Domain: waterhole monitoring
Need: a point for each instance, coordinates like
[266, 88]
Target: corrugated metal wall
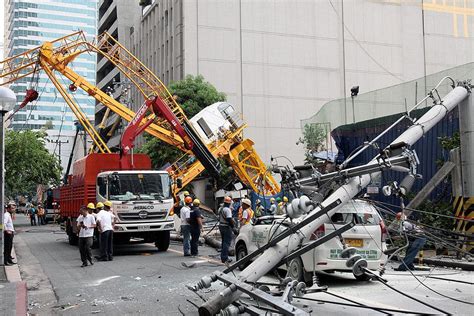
[428, 149]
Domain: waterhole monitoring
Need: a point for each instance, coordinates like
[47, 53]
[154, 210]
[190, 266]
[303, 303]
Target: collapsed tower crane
[55, 56]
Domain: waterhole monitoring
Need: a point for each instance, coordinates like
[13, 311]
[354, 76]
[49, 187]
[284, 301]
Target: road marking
[99, 282]
[204, 259]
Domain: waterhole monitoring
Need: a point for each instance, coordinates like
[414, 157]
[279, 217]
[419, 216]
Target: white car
[368, 235]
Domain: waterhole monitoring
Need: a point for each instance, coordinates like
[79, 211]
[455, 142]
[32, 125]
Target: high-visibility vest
[250, 214]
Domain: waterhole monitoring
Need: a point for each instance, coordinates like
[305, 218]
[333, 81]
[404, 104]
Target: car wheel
[241, 252]
[295, 269]
[363, 277]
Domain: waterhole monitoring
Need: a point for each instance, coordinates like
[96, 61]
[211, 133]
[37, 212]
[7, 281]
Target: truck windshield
[142, 186]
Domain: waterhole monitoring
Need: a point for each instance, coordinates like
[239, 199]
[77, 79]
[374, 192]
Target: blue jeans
[226, 235]
[186, 232]
[412, 251]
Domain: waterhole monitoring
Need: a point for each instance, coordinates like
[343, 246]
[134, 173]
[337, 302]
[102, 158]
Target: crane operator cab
[214, 121]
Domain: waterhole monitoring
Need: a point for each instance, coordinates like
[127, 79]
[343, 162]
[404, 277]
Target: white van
[368, 236]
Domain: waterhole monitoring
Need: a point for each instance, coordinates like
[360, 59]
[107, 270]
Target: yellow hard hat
[99, 205]
[108, 203]
[91, 206]
[285, 199]
[196, 202]
[185, 193]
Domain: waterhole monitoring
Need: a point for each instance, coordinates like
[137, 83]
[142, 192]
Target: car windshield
[141, 186]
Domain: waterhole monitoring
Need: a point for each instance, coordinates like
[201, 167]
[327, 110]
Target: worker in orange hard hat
[226, 224]
[185, 214]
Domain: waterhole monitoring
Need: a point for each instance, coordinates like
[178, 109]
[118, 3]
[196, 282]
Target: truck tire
[73, 239]
[163, 240]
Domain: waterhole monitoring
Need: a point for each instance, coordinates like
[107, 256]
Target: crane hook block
[30, 96]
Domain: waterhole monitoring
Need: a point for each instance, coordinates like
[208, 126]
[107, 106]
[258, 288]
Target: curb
[13, 276]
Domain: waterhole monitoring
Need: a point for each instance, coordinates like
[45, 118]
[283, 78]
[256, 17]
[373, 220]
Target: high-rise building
[30, 23]
[116, 17]
[280, 61]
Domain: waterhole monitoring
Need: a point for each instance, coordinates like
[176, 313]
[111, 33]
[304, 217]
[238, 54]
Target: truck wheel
[240, 252]
[295, 269]
[73, 239]
[163, 240]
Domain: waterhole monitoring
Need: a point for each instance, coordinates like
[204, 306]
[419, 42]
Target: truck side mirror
[179, 183]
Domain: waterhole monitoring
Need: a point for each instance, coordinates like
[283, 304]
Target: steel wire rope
[32, 106]
[62, 122]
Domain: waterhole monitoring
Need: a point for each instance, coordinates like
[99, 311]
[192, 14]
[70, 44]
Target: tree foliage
[193, 94]
[314, 139]
[28, 163]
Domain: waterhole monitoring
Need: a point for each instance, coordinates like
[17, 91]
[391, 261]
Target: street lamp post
[7, 102]
[354, 93]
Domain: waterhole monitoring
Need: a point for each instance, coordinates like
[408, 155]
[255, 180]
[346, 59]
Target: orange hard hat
[188, 199]
[227, 199]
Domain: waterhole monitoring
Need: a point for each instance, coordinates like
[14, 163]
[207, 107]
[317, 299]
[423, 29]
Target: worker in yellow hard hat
[99, 206]
[281, 210]
[86, 223]
[90, 208]
[108, 204]
[195, 222]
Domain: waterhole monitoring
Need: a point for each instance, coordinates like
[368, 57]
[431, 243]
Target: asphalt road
[142, 280]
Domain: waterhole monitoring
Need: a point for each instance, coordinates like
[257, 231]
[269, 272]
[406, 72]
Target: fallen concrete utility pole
[348, 188]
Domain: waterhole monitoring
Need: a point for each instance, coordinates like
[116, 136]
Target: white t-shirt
[88, 230]
[185, 215]
[8, 222]
[105, 218]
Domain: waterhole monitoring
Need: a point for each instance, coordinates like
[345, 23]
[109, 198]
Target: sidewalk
[13, 293]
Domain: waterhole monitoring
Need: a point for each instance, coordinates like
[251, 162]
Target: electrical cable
[360, 306]
[355, 302]
[421, 282]
[425, 212]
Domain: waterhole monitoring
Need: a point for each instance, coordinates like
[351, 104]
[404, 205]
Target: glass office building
[30, 23]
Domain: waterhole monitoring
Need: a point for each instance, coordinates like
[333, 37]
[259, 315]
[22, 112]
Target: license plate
[143, 227]
[354, 242]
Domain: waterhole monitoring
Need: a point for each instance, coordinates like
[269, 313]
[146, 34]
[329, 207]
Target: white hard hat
[247, 201]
